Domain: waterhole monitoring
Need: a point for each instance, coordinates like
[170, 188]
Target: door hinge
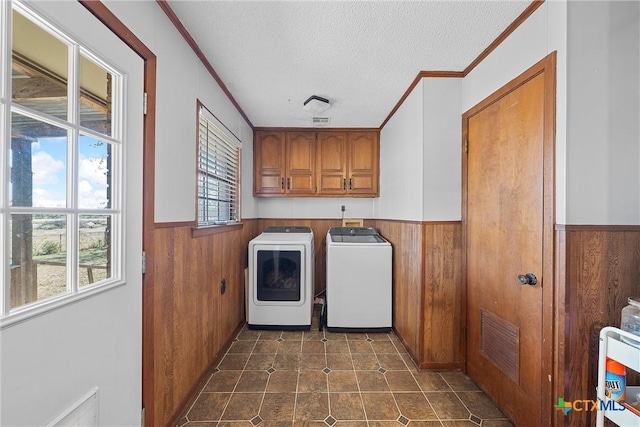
[466, 146]
[144, 103]
[144, 262]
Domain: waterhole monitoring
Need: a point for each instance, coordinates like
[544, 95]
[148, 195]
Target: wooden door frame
[547, 66]
[104, 15]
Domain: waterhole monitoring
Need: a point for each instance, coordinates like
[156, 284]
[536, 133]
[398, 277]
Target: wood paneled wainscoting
[598, 268]
[427, 289]
[192, 322]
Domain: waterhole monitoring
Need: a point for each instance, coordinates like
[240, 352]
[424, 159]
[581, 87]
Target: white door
[51, 361]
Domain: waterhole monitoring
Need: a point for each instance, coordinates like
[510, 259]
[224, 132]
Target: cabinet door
[269, 162]
[331, 164]
[363, 160]
[300, 177]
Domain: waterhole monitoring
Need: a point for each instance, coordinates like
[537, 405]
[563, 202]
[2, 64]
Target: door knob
[527, 279]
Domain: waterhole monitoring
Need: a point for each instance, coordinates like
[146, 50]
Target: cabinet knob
[282, 183]
[527, 279]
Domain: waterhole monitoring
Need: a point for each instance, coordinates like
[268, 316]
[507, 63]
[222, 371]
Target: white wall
[310, 207]
[523, 48]
[557, 39]
[420, 155]
[401, 158]
[442, 149]
[603, 150]
[181, 80]
[248, 203]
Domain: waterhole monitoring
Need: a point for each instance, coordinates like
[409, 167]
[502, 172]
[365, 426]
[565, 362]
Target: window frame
[76, 52]
[223, 133]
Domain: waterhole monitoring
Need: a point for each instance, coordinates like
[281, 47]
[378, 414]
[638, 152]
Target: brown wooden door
[269, 162]
[508, 219]
[331, 165]
[301, 154]
[362, 163]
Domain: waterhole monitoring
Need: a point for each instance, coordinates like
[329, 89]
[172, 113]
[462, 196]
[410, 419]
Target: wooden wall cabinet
[316, 163]
[347, 163]
[300, 159]
[331, 163]
[363, 159]
[269, 163]
[284, 163]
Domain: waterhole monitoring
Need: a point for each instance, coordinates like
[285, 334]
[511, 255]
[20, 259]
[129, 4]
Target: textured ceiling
[361, 55]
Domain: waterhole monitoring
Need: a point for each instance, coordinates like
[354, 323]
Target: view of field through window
[60, 195]
[49, 253]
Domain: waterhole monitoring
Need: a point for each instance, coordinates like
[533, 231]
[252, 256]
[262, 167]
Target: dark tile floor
[321, 378]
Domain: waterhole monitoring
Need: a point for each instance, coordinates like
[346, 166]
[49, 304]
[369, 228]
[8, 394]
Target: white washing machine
[280, 288]
[359, 294]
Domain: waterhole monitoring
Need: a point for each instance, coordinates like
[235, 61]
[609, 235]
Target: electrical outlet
[342, 208]
[223, 286]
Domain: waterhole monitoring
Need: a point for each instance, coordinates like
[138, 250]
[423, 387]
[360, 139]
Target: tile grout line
[455, 392]
[384, 375]
[425, 395]
[264, 392]
[241, 373]
[364, 408]
[324, 337]
[295, 399]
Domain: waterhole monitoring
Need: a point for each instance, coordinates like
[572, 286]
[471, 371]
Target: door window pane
[38, 163]
[95, 97]
[94, 249]
[38, 257]
[39, 68]
[94, 174]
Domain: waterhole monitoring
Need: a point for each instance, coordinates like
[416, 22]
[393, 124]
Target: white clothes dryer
[280, 289]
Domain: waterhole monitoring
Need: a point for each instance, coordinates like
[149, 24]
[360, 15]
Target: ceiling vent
[320, 121]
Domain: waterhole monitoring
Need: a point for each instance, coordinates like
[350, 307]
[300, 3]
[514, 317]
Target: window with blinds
[218, 173]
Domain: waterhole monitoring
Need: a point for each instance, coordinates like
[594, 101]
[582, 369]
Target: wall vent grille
[320, 121]
[83, 413]
[500, 342]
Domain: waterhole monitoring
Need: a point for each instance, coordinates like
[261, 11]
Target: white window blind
[218, 174]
